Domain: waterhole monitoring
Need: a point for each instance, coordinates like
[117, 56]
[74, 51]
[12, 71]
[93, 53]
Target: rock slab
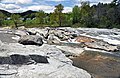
[58, 65]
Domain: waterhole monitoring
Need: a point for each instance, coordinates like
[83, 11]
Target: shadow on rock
[17, 59]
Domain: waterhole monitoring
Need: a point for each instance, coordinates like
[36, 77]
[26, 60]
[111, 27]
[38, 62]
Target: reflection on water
[100, 65]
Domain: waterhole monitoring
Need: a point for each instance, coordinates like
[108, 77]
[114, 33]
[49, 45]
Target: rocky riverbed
[59, 53]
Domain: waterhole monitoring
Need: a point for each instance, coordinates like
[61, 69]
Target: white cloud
[106, 1]
[18, 1]
[8, 1]
[9, 6]
[16, 9]
[96, 1]
[67, 9]
[55, 0]
[20, 5]
[24, 1]
[41, 7]
[93, 2]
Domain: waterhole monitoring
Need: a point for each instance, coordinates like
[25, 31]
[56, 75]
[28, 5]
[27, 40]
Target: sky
[17, 6]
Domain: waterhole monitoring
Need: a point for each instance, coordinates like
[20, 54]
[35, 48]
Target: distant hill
[22, 14]
[27, 12]
[5, 12]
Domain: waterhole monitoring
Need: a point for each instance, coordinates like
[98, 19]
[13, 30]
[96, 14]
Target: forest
[96, 16]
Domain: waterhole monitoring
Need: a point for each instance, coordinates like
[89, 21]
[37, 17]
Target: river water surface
[99, 65]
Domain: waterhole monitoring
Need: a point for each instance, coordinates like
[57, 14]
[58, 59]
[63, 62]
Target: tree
[58, 11]
[86, 14]
[53, 20]
[16, 19]
[76, 14]
[116, 2]
[2, 16]
[40, 16]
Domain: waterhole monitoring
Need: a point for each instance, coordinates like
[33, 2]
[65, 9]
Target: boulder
[21, 28]
[34, 31]
[59, 33]
[20, 32]
[62, 35]
[31, 40]
[52, 39]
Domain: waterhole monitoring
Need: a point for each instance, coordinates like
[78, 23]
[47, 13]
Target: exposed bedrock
[30, 61]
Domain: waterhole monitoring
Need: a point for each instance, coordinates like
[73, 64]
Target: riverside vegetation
[100, 15]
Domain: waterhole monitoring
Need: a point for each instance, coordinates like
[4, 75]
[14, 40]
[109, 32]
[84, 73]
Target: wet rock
[96, 44]
[99, 44]
[84, 39]
[31, 40]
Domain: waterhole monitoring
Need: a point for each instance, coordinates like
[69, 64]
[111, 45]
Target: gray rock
[34, 31]
[71, 51]
[58, 67]
[99, 44]
[1, 43]
[31, 40]
[21, 28]
[52, 39]
[96, 43]
[8, 72]
[59, 33]
[20, 32]
[5, 37]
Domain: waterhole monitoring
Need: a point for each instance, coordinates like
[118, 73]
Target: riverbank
[86, 51]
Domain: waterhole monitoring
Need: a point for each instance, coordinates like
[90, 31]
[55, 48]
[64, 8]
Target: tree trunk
[15, 24]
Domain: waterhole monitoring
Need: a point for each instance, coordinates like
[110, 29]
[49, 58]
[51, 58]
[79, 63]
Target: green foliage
[53, 19]
[2, 17]
[100, 15]
[40, 17]
[16, 20]
[8, 23]
[76, 14]
[58, 12]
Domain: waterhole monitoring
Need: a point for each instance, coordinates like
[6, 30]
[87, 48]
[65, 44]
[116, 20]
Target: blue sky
[46, 5]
